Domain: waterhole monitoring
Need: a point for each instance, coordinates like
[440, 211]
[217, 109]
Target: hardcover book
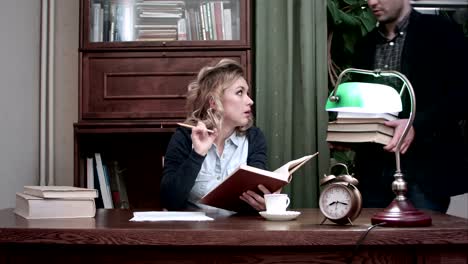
[33, 207]
[63, 192]
[360, 127]
[104, 185]
[226, 194]
[346, 117]
[359, 137]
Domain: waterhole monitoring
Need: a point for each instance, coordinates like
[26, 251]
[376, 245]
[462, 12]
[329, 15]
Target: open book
[226, 194]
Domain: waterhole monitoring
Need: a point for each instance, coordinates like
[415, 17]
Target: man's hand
[399, 126]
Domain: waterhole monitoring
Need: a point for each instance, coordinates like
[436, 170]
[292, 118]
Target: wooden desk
[111, 238]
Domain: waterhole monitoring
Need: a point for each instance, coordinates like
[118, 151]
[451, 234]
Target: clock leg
[323, 221]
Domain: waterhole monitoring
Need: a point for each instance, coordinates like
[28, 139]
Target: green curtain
[291, 89]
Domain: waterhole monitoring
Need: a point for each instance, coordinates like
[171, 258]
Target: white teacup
[276, 202]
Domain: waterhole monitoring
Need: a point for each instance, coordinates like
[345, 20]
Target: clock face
[336, 202]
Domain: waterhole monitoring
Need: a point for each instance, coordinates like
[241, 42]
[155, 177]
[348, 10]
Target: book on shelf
[99, 200]
[104, 185]
[90, 173]
[118, 187]
[181, 29]
[218, 19]
[359, 137]
[227, 26]
[96, 22]
[209, 21]
[63, 192]
[106, 27]
[360, 127]
[226, 194]
[33, 207]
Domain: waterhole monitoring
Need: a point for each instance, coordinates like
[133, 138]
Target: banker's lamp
[364, 97]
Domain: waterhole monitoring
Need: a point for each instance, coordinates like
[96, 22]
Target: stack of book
[37, 202]
[361, 127]
[160, 20]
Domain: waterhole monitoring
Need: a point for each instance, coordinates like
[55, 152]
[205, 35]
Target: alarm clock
[340, 200]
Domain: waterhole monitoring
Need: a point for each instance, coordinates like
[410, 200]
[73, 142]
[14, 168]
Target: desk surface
[112, 227]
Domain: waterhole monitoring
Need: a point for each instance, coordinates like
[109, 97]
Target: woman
[196, 160]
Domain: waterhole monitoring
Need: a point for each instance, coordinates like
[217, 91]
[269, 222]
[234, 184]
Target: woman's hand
[202, 139]
[399, 126]
[255, 200]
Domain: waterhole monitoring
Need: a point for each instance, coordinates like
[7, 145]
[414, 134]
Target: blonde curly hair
[209, 87]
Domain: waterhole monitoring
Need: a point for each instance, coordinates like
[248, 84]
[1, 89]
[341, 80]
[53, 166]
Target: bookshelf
[125, 21]
[136, 60]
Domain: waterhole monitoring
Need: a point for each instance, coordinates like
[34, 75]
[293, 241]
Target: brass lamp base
[401, 214]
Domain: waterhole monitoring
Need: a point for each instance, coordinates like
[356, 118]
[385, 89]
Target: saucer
[283, 216]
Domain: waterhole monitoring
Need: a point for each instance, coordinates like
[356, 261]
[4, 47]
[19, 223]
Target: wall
[66, 86]
[20, 22]
[19, 93]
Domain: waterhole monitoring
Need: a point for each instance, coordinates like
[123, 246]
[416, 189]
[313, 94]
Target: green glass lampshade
[360, 97]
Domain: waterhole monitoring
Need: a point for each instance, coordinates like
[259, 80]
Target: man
[431, 52]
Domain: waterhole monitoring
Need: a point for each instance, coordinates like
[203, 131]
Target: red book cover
[226, 194]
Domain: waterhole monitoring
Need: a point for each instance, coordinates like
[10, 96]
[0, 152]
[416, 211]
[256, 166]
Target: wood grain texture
[142, 85]
[111, 238]
[111, 227]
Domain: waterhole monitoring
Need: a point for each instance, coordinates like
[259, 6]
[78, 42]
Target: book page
[170, 216]
[289, 168]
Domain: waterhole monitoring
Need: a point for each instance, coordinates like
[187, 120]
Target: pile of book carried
[40, 202]
[360, 128]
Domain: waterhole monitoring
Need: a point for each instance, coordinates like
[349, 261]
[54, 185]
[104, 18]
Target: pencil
[190, 126]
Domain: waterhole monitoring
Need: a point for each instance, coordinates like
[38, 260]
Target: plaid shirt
[388, 51]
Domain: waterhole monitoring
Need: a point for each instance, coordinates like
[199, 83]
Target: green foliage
[348, 20]
[345, 157]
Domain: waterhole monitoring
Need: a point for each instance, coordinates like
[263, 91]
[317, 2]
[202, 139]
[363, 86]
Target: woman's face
[237, 104]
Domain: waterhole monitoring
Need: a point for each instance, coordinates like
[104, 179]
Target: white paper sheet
[170, 216]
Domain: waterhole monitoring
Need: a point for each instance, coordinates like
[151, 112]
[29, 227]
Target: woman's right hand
[255, 200]
[202, 139]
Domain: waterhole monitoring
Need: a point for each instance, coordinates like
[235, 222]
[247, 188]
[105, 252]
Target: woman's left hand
[254, 199]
